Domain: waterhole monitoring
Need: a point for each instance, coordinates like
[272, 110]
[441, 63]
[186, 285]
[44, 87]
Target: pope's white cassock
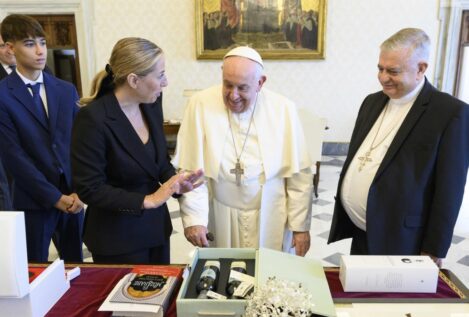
[275, 195]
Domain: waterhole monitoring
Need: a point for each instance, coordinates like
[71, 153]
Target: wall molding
[450, 16]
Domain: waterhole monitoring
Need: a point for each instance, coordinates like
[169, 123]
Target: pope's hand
[197, 235]
[301, 241]
[190, 180]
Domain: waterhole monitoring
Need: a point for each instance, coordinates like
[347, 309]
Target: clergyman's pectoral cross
[238, 171]
[364, 159]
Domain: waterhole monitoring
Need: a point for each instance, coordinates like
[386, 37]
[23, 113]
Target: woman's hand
[162, 194]
[191, 180]
[180, 183]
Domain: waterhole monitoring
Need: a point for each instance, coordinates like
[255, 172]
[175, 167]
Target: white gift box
[14, 280]
[268, 263]
[17, 296]
[390, 274]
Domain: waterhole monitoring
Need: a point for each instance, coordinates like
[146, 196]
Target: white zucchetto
[247, 52]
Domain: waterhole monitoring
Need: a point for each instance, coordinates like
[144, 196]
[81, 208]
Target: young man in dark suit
[403, 181]
[36, 116]
[8, 65]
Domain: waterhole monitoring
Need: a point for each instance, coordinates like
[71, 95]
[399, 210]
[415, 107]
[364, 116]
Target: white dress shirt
[7, 68]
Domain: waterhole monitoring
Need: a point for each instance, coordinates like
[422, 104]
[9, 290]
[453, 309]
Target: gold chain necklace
[238, 170]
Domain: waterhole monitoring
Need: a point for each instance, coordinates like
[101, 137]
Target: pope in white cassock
[250, 143]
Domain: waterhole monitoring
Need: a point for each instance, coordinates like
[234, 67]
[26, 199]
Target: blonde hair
[129, 55]
[415, 39]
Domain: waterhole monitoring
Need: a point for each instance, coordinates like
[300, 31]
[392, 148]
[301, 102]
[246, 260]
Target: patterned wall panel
[331, 88]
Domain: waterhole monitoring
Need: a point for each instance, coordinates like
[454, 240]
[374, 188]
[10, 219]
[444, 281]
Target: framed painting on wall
[278, 29]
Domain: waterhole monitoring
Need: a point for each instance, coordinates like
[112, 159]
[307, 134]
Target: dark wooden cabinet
[62, 47]
[171, 131]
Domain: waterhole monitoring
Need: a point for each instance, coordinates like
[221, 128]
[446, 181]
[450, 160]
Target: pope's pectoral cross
[364, 159]
[238, 171]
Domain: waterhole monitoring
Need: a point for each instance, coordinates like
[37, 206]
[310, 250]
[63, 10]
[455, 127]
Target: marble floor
[457, 259]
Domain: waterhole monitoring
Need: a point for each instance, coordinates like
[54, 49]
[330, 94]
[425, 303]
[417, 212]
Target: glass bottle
[208, 280]
[238, 266]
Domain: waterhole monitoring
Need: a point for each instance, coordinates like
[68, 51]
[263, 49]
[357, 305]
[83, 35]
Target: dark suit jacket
[112, 173]
[415, 197]
[36, 154]
[5, 178]
[5, 200]
[3, 72]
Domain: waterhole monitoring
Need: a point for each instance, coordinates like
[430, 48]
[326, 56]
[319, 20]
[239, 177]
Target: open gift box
[262, 264]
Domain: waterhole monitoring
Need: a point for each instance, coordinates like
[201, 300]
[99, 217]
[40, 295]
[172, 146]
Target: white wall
[332, 88]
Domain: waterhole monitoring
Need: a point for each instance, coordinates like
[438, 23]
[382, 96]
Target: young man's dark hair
[17, 27]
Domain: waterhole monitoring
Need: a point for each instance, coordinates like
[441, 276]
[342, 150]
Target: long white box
[268, 263]
[390, 274]
[14, 281]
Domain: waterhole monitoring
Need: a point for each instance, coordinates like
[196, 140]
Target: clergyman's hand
[301, 241]
[197, 235]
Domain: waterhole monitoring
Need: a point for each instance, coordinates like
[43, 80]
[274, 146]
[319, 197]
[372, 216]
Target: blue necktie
[38, 102]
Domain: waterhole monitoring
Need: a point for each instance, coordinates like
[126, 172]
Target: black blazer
[112, 173]
[5, 200]
[3, 72]
[415, 197]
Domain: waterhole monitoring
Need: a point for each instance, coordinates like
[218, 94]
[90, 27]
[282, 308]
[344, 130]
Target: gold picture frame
[277, 29]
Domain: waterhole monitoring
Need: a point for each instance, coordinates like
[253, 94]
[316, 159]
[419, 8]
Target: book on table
[145, 291]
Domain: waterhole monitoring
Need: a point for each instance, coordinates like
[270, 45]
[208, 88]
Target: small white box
[44, 292]
[390, 274]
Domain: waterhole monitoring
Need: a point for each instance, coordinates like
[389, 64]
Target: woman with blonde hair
[120, 165]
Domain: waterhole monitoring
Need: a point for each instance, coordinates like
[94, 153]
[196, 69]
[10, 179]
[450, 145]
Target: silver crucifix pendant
[238, 171]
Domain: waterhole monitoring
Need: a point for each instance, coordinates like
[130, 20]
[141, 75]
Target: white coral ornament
[280, 298]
